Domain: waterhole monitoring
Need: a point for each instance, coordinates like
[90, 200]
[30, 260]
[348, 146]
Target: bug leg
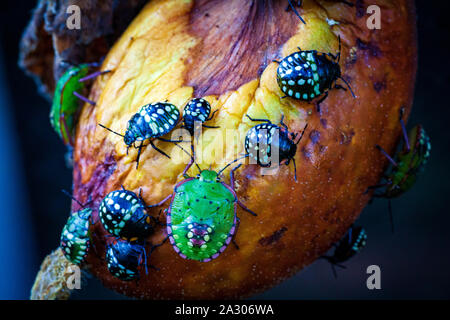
[139, 154]
[386, 155]
[188, 166]
[377, 186]
[93, 75]
[263, 120]
[338, 55]
[158, 245]
[145, 260]
[405, 134]
[347, 3]
[283, 124]
[339, 87]
[232, 176]
[159, 150]
[212, 115]
[295, 169]
[321, 100]
[79, 96]
[168, 140]
[211, 127]
[237, 200]
[238, 222]
[160, 203]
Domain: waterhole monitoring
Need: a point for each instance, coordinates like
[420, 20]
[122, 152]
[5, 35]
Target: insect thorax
[304, 75]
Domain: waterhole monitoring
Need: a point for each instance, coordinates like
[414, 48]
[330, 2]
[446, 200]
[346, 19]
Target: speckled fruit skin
[222, 51]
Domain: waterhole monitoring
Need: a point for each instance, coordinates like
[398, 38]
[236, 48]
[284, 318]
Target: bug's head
[129, 138]
[208, 176]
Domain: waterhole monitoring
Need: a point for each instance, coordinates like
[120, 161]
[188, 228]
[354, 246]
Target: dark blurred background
[414, 261]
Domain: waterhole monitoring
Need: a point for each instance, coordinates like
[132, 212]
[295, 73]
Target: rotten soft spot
[379, 85]
[265, 241]
[314, 136]
[371, 47]
[306, 153]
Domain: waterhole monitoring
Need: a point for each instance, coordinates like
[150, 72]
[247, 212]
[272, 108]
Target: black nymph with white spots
[353, 242]
[259, 143]
[123, 259]
[306, 75]
[197, 110]
[151, 121]
[123, 214]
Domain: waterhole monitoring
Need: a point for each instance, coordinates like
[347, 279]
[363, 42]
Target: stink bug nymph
[123, 214]
[65, 105]
[197, 110]
[75, 236]
[151, 121]
[201, 218]
[259, 144]
[352, 243]
[123, 259]
[404, 167]
[306, 75]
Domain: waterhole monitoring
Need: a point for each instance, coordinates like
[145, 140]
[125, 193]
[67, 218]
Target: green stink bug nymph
[65, 105]
[75, 236]
[407, 163]
[201, 218]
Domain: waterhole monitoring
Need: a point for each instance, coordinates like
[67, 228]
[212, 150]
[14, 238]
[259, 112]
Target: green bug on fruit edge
[75, 236]
[65, 105]
[404, 167]
[202, 218]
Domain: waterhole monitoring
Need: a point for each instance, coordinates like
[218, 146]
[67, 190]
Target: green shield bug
[405, 166]
[65, 105]
[201, 218]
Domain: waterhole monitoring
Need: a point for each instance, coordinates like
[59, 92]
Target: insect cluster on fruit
[201, 219]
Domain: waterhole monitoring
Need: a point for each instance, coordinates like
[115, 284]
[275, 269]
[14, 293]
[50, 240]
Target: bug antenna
[348, 85]
[234, 161]
[73, 198]
[190, 155]
[295, 11]
[111, 130]
[402, 124]
[303, 132]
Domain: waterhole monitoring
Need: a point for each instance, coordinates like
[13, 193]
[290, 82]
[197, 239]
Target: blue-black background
[414, 261]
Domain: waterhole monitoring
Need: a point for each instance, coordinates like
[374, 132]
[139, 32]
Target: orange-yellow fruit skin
[169, 52]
